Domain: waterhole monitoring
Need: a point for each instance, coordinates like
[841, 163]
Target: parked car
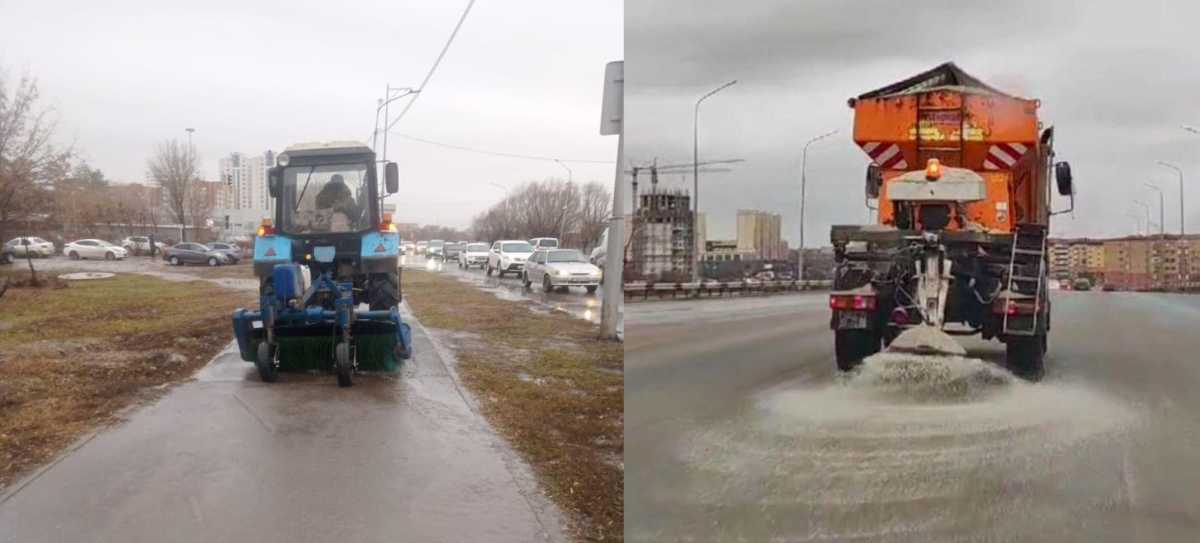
[561, 268]
[194, 253]
[6, 255]
[139, 245]
[436, 246]
[473, 254]
[452, 250]
[508, 256]
[229, 249]
[422, 246]
[544, 243]
[37, 247]
[94, 248]
[409, 247]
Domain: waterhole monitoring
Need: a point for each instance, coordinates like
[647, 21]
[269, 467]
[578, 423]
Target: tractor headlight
[282, 159]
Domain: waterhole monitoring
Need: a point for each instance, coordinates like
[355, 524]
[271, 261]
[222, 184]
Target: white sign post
[611, 116]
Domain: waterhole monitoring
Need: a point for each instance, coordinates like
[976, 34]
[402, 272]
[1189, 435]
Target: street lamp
[189, 132]
[1137, 221]
[1162, 223]
[570, 175]
[803, 182]
[1146, 208]
[696, 173]
[1179, 171]
[382, 104]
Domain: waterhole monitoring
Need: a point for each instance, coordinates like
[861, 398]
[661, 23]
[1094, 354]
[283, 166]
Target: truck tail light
[266, 229]
[1014, 307]
[856, 302]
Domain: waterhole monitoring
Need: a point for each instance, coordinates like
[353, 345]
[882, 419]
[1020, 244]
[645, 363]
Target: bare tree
[547, 208]
[595, 206]
[173, 167]
[29, 161]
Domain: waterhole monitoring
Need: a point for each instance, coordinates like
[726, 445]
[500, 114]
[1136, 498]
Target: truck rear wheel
[383, 291]
[852, 346]
[1026, 356]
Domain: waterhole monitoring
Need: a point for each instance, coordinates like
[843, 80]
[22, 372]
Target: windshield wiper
[305, 187]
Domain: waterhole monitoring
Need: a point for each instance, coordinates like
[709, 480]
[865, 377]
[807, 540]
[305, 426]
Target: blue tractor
[328, 268]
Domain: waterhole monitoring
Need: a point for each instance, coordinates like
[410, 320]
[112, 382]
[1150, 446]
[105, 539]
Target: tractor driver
[337, 202]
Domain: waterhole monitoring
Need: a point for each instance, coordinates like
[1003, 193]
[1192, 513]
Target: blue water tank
[288, 281]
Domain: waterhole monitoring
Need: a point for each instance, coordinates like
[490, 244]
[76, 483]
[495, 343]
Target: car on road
[94, 248]
[474, 254]
[544, 243]
[508, 256]
[436, 248]
[408, 248]
[422, 247]
[37, 247]
[194, 253]
[232, 250]
[138, 245]
[561, 268]
[452, 250]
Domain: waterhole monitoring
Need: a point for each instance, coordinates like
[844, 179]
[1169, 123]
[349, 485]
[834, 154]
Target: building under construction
[663, 235]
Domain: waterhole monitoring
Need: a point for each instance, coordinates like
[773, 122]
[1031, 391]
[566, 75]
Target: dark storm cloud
[1116, 79]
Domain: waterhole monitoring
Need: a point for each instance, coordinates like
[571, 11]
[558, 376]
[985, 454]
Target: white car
[94, 248]
[508, 256]
[139, 244]
[37, 247]
[435, 248]
[474, 254]
[555, 268]
[544, 243]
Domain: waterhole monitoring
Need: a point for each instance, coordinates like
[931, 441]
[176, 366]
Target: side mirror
[274, 181]
[1062, 175]
[391, 178]
[874, 181]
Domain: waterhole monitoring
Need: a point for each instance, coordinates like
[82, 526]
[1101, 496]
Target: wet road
[738, 429]
[576, 301]
[228, 458]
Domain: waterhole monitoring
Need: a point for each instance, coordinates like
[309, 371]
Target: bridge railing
[714, 289]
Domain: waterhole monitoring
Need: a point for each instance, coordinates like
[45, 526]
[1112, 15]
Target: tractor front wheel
[265, 362]
[342, 365]
[383, 291]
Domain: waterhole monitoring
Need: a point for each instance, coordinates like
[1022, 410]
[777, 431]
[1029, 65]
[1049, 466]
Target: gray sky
[1117, 79]
[522, 77]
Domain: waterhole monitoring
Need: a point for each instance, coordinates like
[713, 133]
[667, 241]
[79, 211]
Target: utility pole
[803, 182]
[696, 175]
[191, 155]
[1179, 171]
[612, 114]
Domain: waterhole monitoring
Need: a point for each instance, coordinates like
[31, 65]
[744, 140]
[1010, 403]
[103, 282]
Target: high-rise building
[663, 241]
[758, 235]
[245, 179]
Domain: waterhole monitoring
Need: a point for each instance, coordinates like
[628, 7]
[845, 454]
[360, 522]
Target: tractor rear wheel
[852, 346]
[265, 362]
[342, 365]
[1026, 356]
[383, 291]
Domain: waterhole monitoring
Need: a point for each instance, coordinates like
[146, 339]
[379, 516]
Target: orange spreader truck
[961, 173]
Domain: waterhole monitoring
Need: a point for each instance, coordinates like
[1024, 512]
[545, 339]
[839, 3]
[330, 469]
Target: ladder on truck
[1029, 243]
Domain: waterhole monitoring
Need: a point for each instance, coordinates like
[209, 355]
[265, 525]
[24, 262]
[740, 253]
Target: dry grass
[548, 384]
[71, 358]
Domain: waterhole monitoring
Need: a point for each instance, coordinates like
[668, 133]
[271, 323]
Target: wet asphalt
[225, 457]
[738, 428]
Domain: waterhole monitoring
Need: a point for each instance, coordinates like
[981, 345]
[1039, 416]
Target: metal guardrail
[713, 289]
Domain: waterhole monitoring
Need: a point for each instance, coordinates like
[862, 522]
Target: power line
[498, 153]
[433, 68]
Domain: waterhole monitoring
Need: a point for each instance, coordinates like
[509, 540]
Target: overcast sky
[1117, 79]
[522, 77]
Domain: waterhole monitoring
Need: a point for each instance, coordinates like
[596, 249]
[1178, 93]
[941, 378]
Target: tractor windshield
[325, 198]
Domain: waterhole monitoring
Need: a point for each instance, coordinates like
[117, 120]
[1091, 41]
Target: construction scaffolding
[663, 236]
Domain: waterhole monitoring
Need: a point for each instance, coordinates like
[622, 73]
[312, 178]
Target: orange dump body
[963, 124]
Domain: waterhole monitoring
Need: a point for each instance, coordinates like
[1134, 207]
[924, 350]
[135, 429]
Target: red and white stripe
[886, 156]
[1003, 155]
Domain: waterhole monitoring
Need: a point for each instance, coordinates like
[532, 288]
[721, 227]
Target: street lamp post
[1145, 207]
[1179, 171]
[803, 183]
[570, 174]
[1137, 221]
[191, 156]
[1162, 223]
[696, 174]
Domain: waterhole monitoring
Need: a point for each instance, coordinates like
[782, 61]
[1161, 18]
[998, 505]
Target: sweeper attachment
[329, 251]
